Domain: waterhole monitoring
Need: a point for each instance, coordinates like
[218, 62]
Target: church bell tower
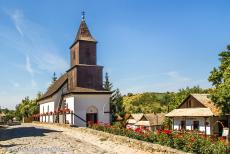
[84, 71]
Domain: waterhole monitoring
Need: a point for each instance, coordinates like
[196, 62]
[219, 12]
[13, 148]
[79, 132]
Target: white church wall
[83, 102]
[44, 108]
[70, 104]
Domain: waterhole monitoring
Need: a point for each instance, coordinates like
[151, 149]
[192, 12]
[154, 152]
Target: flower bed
[189, 142]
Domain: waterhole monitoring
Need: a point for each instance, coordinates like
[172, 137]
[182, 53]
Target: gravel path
[28, 138]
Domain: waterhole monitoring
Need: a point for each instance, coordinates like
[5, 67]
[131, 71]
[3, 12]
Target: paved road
[37, 140]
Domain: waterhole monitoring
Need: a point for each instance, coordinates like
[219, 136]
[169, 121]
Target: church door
[91, 118]
[91, 115]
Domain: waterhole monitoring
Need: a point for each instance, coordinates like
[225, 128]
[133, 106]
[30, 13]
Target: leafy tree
[220, 78]
[27, 107]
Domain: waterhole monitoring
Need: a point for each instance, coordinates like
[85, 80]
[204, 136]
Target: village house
[198, 112]
[78, 97]
[147, 121]
[2, 115]
[133, 118]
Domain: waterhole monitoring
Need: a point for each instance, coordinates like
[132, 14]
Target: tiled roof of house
[152, 119]
[210, 110]
[190, 112]
[2, 114]
[207, 102]
[135, 117]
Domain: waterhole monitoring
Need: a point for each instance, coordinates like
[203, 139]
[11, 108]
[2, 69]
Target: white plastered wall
[83, 101]
[44, 108]
[189, 123]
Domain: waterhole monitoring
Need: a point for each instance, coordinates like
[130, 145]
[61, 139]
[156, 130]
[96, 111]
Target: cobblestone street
[33, 139]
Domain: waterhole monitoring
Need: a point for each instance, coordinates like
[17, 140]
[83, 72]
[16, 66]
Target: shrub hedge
[191, 141]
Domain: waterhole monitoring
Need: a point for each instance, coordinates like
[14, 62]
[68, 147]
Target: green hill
[148, 102]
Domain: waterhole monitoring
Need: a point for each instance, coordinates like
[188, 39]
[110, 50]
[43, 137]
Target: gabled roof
[205, 101]
[190, 112]
[135, 117]
[152, 119]
[2, 114]
[55, 86]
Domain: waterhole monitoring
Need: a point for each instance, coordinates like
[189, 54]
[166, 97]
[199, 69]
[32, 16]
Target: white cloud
[28, 66]
[39, 55]
[36, 45]
[17, 17]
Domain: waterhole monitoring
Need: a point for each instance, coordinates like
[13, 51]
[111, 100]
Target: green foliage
[116, 105]
[220, 78]
[191, 142]
[27, 107]
[146, 103]
[107, 84]
[54, 78]
[158, 102]
[9, 114]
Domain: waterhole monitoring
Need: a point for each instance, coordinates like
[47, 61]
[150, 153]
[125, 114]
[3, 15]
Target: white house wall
[189, 123]
[83, 102]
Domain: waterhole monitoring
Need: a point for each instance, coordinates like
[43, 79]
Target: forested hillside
[150, 102]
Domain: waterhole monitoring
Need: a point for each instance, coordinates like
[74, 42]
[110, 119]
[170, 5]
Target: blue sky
[143, 45]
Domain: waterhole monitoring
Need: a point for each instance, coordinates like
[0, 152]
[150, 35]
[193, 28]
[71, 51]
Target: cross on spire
[83, 15]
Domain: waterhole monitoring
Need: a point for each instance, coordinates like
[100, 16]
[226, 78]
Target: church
[78, 97]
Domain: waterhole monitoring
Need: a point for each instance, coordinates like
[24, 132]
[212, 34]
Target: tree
[220, 78]
[117, 104]
[107, 84]
[27, 107]
[54, 78]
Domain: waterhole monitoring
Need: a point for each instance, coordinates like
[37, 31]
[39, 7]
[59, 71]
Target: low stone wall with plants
[131, 142]
[192, 142]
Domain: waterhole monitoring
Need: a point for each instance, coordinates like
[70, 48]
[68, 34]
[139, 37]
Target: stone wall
[145, 146]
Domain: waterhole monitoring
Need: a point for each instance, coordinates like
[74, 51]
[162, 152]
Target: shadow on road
[8, 146]
[19, 132]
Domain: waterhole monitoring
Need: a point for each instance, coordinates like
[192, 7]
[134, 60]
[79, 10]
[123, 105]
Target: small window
[48, 108]
[196, 125]
[183, 125]
[43, 109]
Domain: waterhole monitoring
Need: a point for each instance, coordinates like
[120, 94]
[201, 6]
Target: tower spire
[83, 15]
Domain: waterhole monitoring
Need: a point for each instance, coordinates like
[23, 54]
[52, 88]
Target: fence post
[71, 117]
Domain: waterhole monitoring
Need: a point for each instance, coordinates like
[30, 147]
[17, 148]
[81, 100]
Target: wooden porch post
[205, 129]
[173, 123]
[185, 123]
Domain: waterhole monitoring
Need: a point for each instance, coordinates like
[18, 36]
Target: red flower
[167, 131]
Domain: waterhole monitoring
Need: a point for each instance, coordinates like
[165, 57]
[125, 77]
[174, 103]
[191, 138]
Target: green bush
[190, 141]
